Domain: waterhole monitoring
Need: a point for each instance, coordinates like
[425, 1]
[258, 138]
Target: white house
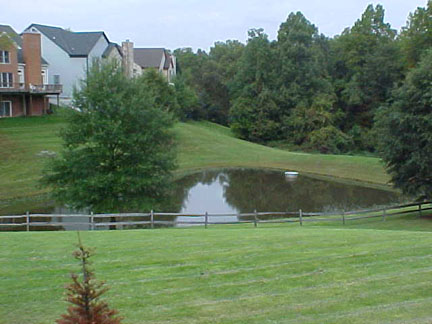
[70, 53]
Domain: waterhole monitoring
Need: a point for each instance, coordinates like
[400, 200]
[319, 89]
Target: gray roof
[21, 58]
[148, 57]
[110, 47]
[11, 33]
[73, 43]
[18, 40]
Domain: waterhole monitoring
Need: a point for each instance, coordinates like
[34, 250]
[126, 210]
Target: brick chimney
[128, 58]
[31, 48]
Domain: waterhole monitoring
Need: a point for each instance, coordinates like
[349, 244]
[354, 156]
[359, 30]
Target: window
[21, 75]
[44, 77]
[4, 57]
[5, 109]
[56, 79]
[6, 80]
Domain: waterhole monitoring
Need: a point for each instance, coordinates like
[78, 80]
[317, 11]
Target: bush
[328, 140]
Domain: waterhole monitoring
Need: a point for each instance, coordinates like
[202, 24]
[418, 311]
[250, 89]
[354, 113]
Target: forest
[304, 90]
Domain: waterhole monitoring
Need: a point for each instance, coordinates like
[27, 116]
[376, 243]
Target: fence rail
[98, 220]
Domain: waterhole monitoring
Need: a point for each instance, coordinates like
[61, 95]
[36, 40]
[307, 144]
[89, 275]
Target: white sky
[192, 23]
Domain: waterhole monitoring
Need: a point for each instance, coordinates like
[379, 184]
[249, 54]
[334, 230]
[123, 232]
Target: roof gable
[18, 41]
[111, 47]
[168, 61]
[73, 43]
[148, 57]
[11, 33]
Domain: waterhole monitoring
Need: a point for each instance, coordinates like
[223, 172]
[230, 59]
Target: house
[156, 58]
[70, 54]
[140, 59]
[24, 85]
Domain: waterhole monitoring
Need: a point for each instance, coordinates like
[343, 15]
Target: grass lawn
[201, 145]
[363, 273]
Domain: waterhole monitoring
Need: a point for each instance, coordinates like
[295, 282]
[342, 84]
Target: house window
[56, 79]
[5, 109]
[6, 80]
[4, 57]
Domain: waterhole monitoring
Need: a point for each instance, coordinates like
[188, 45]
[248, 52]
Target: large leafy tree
[302, 73]
[365, 65]
[118, 147]
[209, 75]
[254, 114]
[406, 132]
[416, 36]
[305, 93]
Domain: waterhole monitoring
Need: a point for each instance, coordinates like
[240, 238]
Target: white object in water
[291, 174]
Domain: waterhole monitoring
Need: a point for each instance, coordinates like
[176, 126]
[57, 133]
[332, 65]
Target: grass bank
[201, 145]
[229, 274]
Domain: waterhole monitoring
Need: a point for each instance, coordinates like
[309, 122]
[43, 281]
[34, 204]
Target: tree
[210, 76]
[5, 42]
[365, 66]
[405, 130]
[254, 114]
[118, 149]
[163, 94]
[187, 100]
[305, 93]
[303, 75]
[416, 36]
[84, 294]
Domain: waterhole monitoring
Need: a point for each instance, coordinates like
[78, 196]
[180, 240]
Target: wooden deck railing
[30, 88]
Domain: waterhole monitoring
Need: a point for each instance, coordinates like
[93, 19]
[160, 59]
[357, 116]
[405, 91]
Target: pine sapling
[84, 295]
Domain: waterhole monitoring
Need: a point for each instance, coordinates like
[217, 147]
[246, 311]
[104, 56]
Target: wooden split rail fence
[94, 221]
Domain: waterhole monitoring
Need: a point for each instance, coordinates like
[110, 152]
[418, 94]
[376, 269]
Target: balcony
[17, 88]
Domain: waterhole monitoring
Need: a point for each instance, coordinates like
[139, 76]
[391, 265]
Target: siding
[71, 70]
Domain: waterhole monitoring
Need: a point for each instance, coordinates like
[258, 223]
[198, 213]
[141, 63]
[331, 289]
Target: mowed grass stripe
[222, 275]
[230, 259]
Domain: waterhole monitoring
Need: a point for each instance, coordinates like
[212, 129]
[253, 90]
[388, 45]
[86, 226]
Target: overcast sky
[192, 23]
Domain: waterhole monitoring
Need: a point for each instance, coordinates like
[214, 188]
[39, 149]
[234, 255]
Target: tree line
[366, 90]
[306, 90]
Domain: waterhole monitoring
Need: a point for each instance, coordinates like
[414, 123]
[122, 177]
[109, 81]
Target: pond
[245, 190]
[233, 191]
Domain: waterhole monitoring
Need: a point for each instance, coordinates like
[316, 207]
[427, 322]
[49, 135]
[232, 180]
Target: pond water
[244, 190]
[234, 191]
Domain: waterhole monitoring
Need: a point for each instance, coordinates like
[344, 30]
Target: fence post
[343, 217]
[92, 227]
[206, 220]
[384, 215]
[255, 218]
[27, 221]
[152, 219]
[301, 217]
[420, 210]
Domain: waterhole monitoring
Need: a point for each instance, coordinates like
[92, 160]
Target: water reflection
[244, 190]
[234, 191]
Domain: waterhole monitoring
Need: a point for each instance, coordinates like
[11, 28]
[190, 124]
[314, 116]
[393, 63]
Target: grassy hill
[368, 271]
[201, 145]
[229, 274]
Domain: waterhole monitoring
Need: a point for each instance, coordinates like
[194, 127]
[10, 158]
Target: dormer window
[4, 57]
